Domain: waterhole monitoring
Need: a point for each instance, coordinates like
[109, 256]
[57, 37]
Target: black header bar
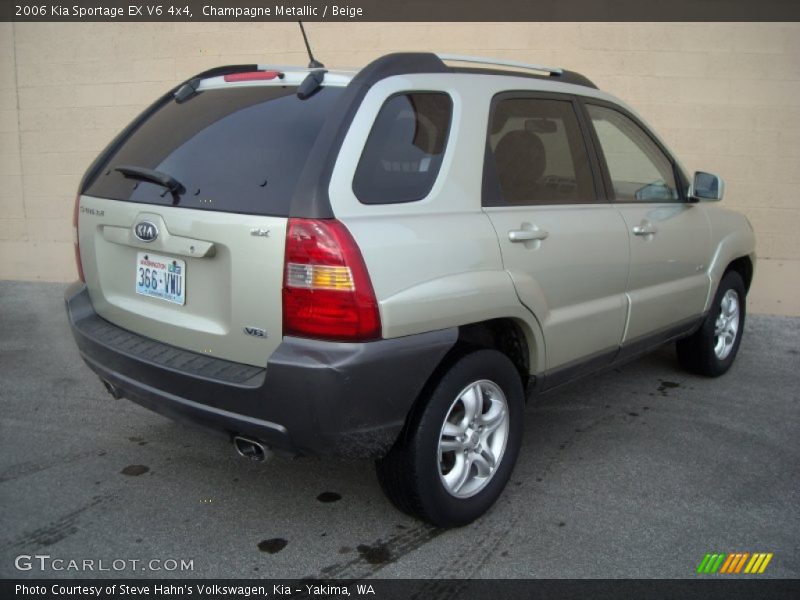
[402, 589]
[399, 10]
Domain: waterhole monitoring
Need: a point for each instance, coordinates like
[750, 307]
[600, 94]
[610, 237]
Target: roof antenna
[313, 63]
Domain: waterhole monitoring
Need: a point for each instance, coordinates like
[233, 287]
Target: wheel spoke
[453, 429]
[459, 474]
[451, 445]
[472, 400]
[733, 307]
[464, 476]
[492, 419]
[484, 462]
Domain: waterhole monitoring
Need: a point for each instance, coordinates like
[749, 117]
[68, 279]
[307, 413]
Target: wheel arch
[744, 266]
[734, 251]
[510, 336]
[507, 336]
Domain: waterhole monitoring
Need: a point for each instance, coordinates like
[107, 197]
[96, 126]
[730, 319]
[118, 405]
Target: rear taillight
[76, 239]
[327, 293]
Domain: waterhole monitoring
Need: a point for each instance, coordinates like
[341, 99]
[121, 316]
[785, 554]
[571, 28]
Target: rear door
[201, 268]
[564, 247]
[670, 238]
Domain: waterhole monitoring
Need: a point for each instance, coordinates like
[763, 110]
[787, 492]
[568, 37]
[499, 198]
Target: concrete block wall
[725, 96]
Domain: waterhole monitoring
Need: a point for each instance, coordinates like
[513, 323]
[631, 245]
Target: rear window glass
[238, 150]
[404, 151]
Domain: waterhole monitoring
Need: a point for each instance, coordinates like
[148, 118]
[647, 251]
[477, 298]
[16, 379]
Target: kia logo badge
[145, 231]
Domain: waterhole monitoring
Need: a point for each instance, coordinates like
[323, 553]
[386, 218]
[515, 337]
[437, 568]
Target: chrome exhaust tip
[250, 448]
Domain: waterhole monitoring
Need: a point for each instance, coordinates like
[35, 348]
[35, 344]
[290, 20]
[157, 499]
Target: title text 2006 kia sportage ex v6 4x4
[379, 264]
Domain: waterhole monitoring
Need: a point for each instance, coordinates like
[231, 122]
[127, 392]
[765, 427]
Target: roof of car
[405, 63]
[311, 196]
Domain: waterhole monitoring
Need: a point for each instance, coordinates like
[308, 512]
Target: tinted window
[538, 153]
[404, 151]
[235, 150]
[639, 171]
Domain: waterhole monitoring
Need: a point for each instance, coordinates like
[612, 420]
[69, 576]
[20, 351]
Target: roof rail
[500, 63]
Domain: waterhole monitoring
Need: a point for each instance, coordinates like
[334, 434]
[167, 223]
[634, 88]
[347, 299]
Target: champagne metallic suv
[383, 263]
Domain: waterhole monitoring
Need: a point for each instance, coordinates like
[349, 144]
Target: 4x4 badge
[145, 231]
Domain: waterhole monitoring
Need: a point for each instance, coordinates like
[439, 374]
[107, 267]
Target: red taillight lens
[75, 238]
[327, 293]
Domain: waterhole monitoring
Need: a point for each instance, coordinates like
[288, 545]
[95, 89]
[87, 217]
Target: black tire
[410, 473]
[696, 353]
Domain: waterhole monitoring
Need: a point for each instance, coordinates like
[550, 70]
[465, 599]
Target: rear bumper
[327, 398]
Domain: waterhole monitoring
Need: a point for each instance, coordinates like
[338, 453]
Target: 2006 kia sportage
[380, 264]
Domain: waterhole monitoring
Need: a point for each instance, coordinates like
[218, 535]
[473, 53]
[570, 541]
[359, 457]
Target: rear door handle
[527, 235]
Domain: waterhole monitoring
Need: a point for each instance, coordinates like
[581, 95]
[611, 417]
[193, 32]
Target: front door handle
[646, 228]
[527, 235]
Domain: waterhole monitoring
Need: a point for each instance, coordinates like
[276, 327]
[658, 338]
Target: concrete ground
[638, 472]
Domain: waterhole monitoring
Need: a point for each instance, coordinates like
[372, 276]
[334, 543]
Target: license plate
[161, 277]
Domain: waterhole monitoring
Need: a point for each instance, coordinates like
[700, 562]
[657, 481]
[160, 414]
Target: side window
[404, 151]
[639, 170]
[538, 153]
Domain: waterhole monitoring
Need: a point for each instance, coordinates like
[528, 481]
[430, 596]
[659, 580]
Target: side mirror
[707, 186]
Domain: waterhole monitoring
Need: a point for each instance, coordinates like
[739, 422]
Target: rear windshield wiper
[152, 176]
